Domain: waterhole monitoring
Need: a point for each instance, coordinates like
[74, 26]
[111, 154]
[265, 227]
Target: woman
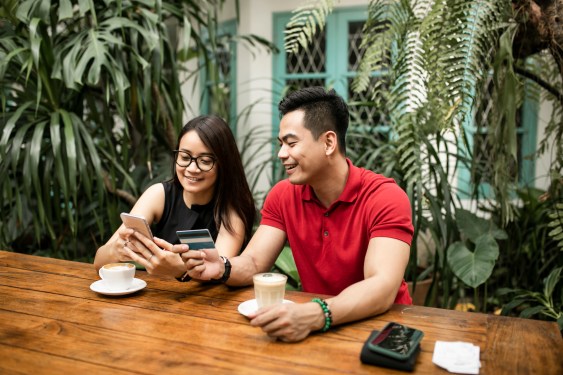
[209, 190]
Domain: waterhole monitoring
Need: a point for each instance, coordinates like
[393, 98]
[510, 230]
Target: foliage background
[91, 105]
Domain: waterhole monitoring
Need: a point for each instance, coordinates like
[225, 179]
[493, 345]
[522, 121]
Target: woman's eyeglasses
[204, 163]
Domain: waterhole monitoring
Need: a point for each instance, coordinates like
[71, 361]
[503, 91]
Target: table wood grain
[52, 323]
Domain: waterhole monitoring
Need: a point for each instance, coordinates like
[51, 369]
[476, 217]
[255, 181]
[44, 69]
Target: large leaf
[474, 267]
[473, 226]
[286, 264]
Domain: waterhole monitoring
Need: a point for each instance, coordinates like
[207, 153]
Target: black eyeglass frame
[192, 159]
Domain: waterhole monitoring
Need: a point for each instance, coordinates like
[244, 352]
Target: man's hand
[204, 264]
[288, 321]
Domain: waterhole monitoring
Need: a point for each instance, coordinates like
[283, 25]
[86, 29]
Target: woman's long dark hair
[231, 190]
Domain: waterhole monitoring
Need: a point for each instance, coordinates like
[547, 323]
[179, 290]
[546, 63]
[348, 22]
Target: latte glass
[269, 288]
[118, 276]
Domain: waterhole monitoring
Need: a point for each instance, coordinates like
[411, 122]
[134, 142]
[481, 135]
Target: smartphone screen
[196, 238]
[138, 223]
[396, 340]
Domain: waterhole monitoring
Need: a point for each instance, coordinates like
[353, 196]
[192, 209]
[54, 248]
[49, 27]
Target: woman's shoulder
[151, 202]
[158, 189]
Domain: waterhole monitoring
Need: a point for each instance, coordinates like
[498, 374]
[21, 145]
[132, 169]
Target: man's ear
[331, 143]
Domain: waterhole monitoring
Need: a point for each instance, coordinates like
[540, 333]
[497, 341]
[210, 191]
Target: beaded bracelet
[326, 311]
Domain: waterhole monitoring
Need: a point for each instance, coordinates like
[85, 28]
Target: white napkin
[457, 357]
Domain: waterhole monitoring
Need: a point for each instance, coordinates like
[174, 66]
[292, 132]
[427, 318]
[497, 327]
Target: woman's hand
[159, 257]
[204, 264]
[120, 252]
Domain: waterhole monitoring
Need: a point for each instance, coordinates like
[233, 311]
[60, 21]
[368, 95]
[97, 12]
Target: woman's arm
[150, 205]
[230, 244]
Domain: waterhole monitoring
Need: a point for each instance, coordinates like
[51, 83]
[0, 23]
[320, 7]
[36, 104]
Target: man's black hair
[324, 111]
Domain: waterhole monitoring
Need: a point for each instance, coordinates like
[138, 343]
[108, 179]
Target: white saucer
[99, 287]
[248, 307]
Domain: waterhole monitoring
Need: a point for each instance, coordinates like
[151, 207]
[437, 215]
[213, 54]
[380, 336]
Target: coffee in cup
[117, 276]
[269, 288]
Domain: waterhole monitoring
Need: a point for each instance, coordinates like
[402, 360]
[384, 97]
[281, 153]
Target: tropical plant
[546, 304]
[438, 55]
[91, 104]
[473, 259]
[285, 264]
[529, 254]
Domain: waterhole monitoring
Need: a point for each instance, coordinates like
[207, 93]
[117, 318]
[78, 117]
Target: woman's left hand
[159, 257]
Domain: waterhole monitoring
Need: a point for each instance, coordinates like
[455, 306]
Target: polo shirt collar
[351, 188]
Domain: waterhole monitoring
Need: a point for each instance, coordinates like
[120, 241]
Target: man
[349, 229]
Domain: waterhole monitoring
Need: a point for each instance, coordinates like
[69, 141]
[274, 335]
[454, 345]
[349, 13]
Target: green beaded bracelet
[326, 311]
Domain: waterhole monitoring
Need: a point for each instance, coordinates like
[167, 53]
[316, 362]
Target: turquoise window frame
[528, 130]
[336, 72]
[226, 27]
[336, 66]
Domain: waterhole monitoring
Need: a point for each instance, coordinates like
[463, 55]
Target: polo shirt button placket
[326, 233]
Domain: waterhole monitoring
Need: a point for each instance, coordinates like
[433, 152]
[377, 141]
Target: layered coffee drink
[119, 266]
[269, 288]
[117, 276]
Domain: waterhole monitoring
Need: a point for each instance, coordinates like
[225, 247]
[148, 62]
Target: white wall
[544, 162]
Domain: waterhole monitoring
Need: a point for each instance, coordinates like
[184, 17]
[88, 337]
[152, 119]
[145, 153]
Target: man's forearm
[363, 299]
[242, 270]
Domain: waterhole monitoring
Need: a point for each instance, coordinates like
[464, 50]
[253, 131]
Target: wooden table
[51, 322]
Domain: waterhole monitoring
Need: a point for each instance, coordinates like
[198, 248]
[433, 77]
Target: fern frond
[409, 149]
[409, 92]
[304, 22]
[556, 224]
[470, 36]
[431, 34]
[378, 35]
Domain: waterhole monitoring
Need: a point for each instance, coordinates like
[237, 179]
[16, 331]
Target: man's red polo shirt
[329, 245]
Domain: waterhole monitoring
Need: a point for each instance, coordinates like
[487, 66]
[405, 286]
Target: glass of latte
[269, 288]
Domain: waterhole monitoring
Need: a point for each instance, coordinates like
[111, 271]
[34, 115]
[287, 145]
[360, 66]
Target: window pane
[362, 108]
[310, 60]
[223, 57]
[354, 42]
[219, 75]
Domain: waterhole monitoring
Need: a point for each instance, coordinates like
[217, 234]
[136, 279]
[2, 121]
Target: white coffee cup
[117, 276]
[269, 288]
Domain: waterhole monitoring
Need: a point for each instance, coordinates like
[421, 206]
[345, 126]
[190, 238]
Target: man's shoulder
[370, 178]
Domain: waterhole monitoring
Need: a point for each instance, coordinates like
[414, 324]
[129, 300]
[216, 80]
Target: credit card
[196, 239]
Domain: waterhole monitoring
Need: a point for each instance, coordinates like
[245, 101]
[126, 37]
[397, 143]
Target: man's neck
[329, 187]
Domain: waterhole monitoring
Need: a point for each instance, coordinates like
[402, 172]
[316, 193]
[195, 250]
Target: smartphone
[136, 222]
[196, 239]
[396, 340]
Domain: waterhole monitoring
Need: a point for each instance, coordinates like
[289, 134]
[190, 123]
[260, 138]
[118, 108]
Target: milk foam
[118, 268]
[269, 278]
